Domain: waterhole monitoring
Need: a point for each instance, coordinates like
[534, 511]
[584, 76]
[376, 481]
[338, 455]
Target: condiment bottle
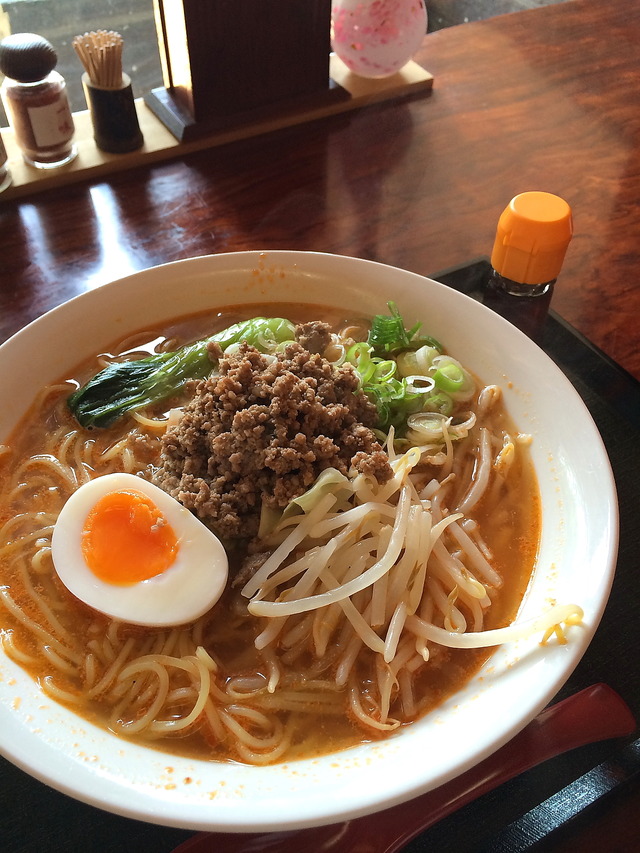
[5, 175]
[532, 237]
[35, 99]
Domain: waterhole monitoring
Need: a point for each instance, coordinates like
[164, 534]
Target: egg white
[182, 593]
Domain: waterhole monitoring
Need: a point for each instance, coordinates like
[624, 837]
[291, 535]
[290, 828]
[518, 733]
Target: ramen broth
[77, 654]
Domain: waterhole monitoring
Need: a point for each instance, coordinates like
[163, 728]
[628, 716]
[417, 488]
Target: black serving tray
[528, 813]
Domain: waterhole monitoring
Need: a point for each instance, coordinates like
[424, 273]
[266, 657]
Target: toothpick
[101, 55]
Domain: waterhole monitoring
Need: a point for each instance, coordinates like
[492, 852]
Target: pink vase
[375, 38]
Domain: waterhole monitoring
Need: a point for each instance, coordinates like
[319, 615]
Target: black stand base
[186, 129]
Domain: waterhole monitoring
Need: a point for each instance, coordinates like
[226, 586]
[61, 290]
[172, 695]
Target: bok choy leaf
[130, 385]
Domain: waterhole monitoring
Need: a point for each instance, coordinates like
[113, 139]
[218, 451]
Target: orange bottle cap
[533, 234]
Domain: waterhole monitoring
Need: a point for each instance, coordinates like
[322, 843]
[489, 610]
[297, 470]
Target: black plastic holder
[113, 114]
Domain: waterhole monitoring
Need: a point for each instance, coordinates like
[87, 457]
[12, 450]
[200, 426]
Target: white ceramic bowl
[576, 562]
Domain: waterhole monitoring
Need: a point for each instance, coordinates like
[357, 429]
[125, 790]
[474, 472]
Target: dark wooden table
[543, 99]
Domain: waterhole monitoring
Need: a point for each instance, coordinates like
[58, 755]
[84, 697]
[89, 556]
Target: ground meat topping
[314, 336]
[262, 430]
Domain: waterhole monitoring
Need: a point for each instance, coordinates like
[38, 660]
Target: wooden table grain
[543, 99]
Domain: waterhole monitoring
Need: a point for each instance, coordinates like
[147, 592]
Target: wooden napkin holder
[230, 62]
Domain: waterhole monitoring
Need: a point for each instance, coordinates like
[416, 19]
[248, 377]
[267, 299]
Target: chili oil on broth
[76, 654]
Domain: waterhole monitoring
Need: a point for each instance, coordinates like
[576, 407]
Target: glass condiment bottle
[5, 175]
[532, 237]
[35, 99]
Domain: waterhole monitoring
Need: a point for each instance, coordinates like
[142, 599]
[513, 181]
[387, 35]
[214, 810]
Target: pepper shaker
[35, 99]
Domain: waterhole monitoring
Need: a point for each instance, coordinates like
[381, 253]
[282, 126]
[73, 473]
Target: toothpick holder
[113, 113]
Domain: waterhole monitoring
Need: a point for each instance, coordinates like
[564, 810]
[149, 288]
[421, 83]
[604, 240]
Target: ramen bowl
[575, 563]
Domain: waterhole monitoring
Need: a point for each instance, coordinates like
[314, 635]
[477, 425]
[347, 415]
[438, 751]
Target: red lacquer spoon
[593, 714]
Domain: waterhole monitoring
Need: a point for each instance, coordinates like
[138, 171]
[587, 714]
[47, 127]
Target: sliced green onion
[359, 355]
[428, 341]
[388, 333]
[417, 361]
[429, 426]
[408, 363]
[282, 345]
[425, 356]
[403, 372]
[451, 377]
[419, 384]
[438, 401]
[384, 370]
[389, 336]
[395, 401]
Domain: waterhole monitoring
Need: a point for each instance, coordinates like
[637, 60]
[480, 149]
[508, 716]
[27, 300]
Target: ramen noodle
[347, 616]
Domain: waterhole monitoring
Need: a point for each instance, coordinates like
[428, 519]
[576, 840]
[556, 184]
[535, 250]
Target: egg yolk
[126, 539]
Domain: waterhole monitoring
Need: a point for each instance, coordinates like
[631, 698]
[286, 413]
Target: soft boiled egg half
[129, 550]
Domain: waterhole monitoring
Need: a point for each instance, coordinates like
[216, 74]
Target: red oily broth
[510, 520]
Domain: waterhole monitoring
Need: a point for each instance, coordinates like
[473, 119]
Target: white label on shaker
[53, 124]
